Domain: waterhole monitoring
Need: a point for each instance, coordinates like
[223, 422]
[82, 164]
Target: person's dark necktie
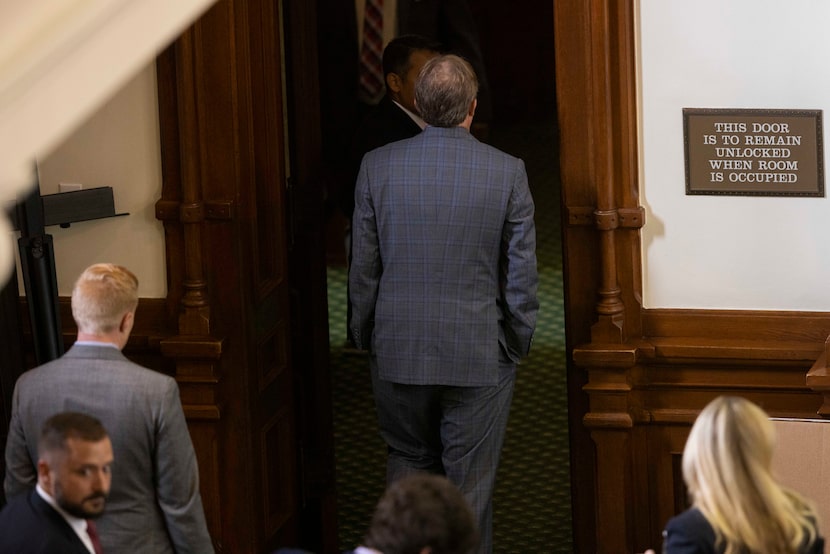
[92, 531]
[371, 53]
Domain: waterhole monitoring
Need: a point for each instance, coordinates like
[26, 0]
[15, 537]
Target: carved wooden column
[246, 363]
[194, 351]
[610, 309]
[596, 91]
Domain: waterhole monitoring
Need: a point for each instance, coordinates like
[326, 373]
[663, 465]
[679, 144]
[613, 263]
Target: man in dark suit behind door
[452, 25]
[395, 117]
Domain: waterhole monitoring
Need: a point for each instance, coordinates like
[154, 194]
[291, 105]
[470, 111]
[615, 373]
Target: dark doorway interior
[532, 499]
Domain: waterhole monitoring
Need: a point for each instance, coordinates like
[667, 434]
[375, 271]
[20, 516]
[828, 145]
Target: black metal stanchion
[37, 260]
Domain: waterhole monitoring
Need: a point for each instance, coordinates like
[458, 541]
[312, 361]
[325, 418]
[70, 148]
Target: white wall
[118, 147]
[734, 252]
[60, 60]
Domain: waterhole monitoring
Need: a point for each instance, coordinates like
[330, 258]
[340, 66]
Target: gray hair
[445, 89]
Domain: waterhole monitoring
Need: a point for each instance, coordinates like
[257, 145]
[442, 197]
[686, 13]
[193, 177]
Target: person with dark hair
[443, 287]
[395, 117]
[451, 23]
[155, 506]
[421, 514]
[74, 472]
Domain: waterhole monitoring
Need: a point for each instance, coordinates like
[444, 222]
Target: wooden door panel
[224, 206]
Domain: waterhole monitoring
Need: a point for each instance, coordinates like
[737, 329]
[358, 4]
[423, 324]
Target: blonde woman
[737, 505]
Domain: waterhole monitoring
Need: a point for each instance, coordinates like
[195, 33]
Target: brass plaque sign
[753, 152]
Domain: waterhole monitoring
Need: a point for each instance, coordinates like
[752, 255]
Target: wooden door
[256, 402]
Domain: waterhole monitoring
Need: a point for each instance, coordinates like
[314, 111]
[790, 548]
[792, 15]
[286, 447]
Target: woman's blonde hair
[726, 467]
[102, 295]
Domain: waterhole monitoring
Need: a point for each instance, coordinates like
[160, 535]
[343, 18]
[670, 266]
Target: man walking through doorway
[443, 287]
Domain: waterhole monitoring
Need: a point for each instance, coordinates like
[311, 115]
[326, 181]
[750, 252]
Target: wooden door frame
[307, 266]
[638, 377]
[595, 90]
[210, 82]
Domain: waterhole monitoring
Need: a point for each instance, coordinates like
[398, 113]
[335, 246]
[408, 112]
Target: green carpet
[532, 498]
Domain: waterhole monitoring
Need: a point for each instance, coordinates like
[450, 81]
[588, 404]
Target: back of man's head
[445, 90]
[422, 513]
[102, 295]
[74, 464]
[68, 425]
[397, 54]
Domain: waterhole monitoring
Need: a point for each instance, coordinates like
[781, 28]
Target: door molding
[636, 377]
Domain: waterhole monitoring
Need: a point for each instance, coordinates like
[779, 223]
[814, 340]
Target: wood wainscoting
[644, 396]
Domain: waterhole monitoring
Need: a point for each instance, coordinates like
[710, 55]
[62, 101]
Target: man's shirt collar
[412, 115]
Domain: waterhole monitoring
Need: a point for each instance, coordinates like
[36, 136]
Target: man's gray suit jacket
[154, 505]
[443, 278]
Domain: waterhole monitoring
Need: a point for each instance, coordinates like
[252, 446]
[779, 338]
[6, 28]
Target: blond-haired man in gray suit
[154, 504]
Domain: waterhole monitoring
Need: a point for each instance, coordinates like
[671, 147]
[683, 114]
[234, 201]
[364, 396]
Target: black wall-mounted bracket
[65, 208]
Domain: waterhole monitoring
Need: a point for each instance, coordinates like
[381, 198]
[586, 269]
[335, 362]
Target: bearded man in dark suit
[74, 471]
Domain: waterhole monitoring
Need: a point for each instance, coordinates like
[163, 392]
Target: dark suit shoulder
[817, 547]
[28, 525]
[384, 123]
[689, 533]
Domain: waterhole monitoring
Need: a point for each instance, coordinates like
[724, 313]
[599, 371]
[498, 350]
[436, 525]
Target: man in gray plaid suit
[443, 288]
